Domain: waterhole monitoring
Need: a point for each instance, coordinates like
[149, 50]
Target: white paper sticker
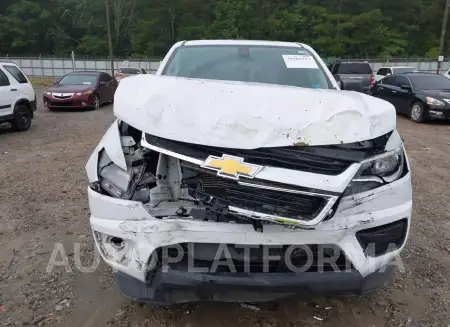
[299, 61]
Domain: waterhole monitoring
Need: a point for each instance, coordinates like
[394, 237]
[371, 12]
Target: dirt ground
[44, 202]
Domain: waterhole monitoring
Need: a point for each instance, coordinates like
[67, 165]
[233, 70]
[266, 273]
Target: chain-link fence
[421, 64]
[58, 67]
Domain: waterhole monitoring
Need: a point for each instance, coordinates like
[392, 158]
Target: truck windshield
[260, 64]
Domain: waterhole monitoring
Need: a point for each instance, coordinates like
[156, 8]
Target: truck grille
[266, 201]
[319, 160]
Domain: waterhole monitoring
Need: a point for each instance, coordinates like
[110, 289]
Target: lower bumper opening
[236, 258]
[383, 239]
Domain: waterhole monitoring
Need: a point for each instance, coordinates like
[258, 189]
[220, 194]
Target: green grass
[42, 81]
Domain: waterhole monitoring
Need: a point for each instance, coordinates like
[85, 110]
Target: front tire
[417, 113]
[96, 102]
[22, 118]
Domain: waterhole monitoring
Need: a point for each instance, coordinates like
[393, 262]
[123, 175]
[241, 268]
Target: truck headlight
[378, 170]
[388, 166]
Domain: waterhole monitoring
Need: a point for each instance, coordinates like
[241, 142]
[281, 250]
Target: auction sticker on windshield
[299, 61]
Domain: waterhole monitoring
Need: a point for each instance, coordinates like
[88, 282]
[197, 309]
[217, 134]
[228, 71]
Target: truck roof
[242, 42]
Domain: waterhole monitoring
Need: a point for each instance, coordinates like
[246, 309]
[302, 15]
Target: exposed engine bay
[168, 187]
[171, 187]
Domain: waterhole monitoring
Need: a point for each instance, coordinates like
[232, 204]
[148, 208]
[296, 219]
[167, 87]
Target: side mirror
[388, 74]
[352, 85]
[56, 81]
[405, 87]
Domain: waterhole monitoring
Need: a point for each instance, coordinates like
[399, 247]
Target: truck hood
[249, 115]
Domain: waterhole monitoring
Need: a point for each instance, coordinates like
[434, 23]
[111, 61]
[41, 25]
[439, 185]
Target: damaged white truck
[243, 171]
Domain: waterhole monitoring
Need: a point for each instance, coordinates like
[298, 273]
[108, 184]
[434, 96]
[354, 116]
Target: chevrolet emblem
[231, 167]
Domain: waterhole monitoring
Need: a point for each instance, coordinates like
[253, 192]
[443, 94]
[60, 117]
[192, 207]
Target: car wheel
[96, 102]
[417, 113]
[22, 118]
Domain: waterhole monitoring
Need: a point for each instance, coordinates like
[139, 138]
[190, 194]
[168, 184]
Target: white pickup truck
[242, 172]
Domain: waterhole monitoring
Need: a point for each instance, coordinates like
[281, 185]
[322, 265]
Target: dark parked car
[419, 95]
[354, 71]
[125, 72]
[81, 90]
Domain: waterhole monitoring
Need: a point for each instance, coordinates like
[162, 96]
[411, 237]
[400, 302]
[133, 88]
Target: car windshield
[355, 68]
[430, 82]
[129, 71]
[78, 79]
[259, 64]
[401, 70]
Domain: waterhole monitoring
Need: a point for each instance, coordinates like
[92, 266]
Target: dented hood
[249, 115]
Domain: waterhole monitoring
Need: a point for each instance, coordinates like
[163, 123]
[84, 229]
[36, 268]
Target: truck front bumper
[128, 238]
[177, 286]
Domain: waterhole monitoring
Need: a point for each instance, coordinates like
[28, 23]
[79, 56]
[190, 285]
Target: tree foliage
[342, 28]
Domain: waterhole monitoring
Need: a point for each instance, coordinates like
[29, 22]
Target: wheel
[22, 118]
[417, 113]
[96, 102]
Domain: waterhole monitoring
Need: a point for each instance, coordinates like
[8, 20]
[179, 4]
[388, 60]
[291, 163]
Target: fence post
[41, 62]
[32, 67]
[53, 67]
[73, 61]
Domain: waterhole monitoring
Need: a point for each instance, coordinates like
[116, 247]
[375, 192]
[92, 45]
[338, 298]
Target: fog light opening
[383, 239]
[117, 243]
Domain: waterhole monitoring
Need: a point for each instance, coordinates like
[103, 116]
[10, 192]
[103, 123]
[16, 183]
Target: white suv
[17, 97]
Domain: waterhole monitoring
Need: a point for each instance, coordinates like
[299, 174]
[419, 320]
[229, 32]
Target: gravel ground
[44, 204]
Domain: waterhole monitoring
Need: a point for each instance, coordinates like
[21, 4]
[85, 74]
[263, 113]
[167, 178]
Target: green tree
[342, 28]
[23, 28]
